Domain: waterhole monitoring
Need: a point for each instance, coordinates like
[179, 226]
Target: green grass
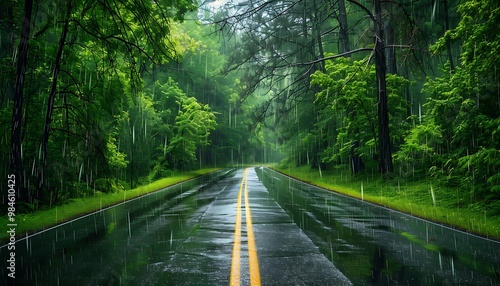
[426, 199]
[42, 219]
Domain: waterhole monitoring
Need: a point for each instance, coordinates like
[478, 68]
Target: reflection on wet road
[372, 245]
[252, 227]
[180, 236]
[234, 279]
[286, 256]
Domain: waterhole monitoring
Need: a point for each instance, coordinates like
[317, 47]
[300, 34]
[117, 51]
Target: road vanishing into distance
[251, 227]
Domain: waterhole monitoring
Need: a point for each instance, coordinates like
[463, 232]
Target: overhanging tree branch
[331, 57]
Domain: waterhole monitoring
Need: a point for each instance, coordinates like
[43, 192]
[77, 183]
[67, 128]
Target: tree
[82, 47]
[51, 100]
[464, 102]
[274, 41]
[15, 159]
[285, 43]
[347, 94]
[192, 127]
[384, 139]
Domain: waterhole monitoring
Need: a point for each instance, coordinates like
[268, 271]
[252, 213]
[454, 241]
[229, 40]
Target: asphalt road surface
[227, 232]
[244, 238]
[251, 227]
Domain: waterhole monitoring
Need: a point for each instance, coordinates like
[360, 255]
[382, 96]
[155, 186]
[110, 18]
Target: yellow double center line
[252, 249]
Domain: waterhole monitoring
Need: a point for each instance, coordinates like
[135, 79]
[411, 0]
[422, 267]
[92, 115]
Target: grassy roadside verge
[42, 219]
[419, 198]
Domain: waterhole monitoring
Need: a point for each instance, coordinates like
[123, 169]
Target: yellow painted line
[234, 279]
[253, 262]
[252, 249]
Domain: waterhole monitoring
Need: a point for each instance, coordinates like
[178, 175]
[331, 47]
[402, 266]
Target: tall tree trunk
[7, 50]
[305, 35]
[15, 159]
[343, 32]
[390, 38]
[448, 42]
[50, 103]
[317, 21]
[385, 152]
[356, 162]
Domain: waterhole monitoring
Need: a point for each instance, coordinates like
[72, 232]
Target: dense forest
[107, 95]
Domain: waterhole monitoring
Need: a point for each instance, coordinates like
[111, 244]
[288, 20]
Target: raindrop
[171, 237]
[433, 196]
[434, 11]
[420, 113]
[165, 146]
[440, 262]
[411, 251]
[33, 167]
[129, 231]
[80, 174]
[452, 267]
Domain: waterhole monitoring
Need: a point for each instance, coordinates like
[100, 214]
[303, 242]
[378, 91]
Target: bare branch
[368, 12]
[333, 57]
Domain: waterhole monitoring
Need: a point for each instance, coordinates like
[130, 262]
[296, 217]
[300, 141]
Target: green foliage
[420, 147]
[114, 105]
[106, 185]
[463, 106]
[159, 172]
[348, 97]
[140, 95]
[192, 126]
[481, 171]
[116, 159]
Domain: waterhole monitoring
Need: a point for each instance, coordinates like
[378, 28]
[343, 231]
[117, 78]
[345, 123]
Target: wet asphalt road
[237, 227]
[181, 236]
[286, 256]
[373, 245]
